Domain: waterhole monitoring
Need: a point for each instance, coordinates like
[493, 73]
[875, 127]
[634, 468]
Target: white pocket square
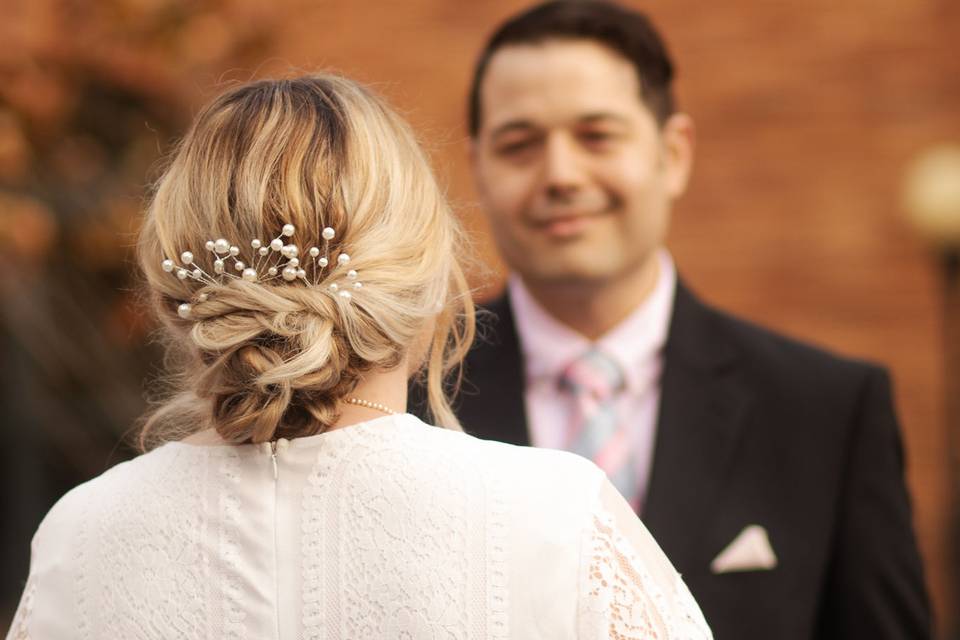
[750, 551]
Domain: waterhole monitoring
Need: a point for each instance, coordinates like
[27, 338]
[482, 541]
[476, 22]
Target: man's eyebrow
[602, 116]
[524, 125]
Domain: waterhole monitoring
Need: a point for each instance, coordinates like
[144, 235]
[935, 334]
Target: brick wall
[807, 112]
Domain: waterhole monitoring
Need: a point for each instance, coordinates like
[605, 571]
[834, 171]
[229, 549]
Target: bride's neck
[387, 388]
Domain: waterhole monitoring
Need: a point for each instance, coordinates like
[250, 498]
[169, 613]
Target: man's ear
[679, 139]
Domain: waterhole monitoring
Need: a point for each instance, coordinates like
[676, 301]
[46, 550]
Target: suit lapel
[491, 401]
[703, 407]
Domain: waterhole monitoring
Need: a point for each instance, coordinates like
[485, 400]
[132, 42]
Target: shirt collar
[548, 345]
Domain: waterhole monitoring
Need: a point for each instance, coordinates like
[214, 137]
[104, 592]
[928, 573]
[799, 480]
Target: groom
[770, 472]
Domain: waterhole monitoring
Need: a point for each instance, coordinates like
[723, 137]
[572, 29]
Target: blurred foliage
[91, 95]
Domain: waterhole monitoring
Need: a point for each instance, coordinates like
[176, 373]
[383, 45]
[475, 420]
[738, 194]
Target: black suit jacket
[755, 428]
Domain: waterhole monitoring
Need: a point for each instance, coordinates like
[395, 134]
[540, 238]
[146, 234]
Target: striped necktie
[597, 432]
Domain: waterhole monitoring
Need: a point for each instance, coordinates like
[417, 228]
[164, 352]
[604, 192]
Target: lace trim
[20, 627]
[206, 580]
[83, 587]
[691, 624]
[229, 547]
[497, 577]
[313, 543]
[620, 599]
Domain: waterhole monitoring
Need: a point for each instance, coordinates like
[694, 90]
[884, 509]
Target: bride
[303, 262]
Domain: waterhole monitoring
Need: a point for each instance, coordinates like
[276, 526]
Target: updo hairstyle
[262, 360]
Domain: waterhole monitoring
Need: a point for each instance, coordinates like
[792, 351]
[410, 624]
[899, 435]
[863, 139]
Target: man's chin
[567, 275]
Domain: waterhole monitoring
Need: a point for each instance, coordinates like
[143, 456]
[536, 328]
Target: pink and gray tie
[597, 431]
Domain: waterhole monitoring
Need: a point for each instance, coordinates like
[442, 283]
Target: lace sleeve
[628, 588]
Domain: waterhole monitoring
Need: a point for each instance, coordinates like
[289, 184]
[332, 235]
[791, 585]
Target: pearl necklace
[376, 406]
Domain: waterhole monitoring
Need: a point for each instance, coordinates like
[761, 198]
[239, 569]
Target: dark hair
[625, 31]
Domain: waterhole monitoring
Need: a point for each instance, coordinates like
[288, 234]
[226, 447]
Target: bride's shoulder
[548, 470]
[100, 493]
[503, 450]
[534, 461]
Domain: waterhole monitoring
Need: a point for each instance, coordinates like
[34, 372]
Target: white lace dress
[386, 529]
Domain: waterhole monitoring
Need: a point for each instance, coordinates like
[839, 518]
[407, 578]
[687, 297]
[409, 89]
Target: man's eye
[596, 136]
[514, 147]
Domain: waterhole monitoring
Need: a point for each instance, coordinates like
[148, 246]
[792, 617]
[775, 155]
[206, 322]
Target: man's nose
[563, 170]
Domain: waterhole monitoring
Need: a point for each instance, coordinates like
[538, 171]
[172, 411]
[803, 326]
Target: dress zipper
[274, 447]
[273, 459]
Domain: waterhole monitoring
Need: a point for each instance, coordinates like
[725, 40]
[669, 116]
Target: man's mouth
[566, 227]
[566, 224]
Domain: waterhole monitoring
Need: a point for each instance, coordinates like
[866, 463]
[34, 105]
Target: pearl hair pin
[376, 406]
[277, 259]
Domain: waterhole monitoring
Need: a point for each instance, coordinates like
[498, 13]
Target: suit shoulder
[768, 348]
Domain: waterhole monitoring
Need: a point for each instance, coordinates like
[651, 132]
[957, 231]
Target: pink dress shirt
[637, 344]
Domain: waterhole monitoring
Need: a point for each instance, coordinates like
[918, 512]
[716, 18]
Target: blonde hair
[265, 360]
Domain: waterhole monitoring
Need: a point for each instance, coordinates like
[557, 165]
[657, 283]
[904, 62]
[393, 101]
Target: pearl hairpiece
[272, 260]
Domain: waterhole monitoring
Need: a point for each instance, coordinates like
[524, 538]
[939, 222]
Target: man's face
[571, 166]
